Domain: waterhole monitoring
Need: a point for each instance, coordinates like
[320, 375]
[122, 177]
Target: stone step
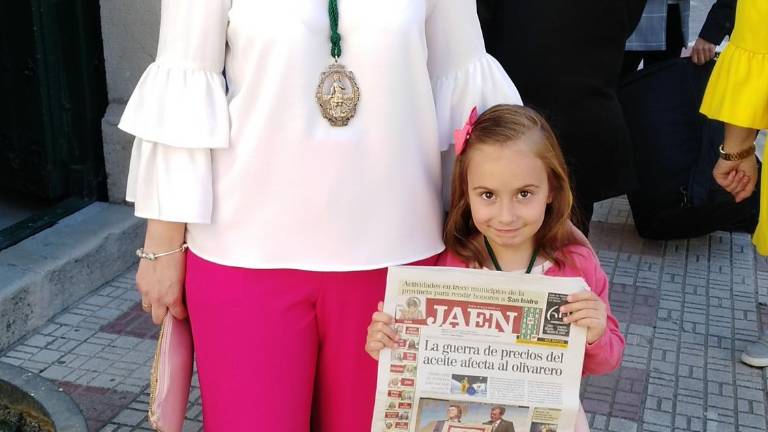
[52, 270]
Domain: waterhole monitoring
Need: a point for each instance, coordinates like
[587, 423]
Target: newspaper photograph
[479, 351]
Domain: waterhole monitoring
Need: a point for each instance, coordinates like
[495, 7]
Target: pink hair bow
[461, 136]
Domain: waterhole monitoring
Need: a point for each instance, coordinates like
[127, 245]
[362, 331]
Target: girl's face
[508, 194]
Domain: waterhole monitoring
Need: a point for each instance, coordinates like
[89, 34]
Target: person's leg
[756, 354]
[345, 388]
[255, 336]
[760, 237]
[346, 376]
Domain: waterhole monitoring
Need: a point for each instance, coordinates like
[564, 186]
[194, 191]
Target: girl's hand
[380, 333]
[737, 177]
[586, 309]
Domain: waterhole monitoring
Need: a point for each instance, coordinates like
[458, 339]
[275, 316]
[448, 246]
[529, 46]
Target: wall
[130, 30]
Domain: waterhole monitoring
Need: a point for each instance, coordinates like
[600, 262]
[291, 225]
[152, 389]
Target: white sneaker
[756, 354]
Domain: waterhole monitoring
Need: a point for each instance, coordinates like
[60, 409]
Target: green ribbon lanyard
[496, 261]
[333, 15]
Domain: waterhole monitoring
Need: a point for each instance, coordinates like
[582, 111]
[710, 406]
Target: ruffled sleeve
[178, 113]
[179, 107]
[463, 75]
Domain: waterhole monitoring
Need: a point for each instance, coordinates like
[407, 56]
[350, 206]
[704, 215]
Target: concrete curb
[50, 271]
[61, 409]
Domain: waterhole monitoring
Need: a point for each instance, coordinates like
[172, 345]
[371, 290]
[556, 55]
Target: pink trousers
[283, 349]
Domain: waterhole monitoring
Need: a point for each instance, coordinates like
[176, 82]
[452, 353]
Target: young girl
[737, 95]
[510, 209]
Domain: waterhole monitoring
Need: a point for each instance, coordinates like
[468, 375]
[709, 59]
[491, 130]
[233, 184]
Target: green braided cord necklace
[333, 16]
[495, 261]
[337, 94]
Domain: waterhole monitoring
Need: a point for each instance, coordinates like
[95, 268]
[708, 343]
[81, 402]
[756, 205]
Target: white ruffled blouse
[229, 137]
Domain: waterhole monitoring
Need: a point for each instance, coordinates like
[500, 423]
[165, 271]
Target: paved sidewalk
[100, 352]
[687, 309]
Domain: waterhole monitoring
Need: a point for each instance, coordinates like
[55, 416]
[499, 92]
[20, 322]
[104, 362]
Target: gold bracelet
[738, 155]
[149, 256]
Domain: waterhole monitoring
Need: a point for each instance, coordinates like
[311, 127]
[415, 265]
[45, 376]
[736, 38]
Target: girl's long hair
[505, 125]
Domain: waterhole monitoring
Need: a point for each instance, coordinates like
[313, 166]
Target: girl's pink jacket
[603, 356]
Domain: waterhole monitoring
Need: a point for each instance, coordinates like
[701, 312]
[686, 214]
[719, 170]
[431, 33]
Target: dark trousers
[582, 213]
[675, 43]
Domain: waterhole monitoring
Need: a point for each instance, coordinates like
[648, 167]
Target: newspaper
[476, 348]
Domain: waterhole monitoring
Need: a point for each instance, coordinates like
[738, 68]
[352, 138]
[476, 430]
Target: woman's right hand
[161, 282]
[380, 333]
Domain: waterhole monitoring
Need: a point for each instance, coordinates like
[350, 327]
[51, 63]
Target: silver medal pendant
[338, 95]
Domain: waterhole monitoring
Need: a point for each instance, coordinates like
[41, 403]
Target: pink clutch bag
[171, 376]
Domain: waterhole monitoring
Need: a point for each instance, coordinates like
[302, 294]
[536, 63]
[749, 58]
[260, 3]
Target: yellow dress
[737, 92]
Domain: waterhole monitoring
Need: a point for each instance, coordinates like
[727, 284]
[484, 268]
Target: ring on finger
[146, 307]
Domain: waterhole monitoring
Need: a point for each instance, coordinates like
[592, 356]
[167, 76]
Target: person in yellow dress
[737, 94]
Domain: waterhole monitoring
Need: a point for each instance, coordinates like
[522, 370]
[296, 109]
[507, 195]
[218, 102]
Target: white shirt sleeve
[170, 183]
[463, 75]
[178, 112]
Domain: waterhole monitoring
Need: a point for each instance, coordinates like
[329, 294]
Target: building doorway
[52, 99]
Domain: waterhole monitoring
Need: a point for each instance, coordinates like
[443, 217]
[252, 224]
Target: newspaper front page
[479, 350]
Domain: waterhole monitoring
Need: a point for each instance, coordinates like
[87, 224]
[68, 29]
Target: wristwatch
[747, 152]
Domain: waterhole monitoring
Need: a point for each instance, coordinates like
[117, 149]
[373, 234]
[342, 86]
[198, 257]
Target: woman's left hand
[737, 177]
[586, 309]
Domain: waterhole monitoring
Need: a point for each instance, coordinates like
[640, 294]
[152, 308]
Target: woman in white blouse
[290, 220]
